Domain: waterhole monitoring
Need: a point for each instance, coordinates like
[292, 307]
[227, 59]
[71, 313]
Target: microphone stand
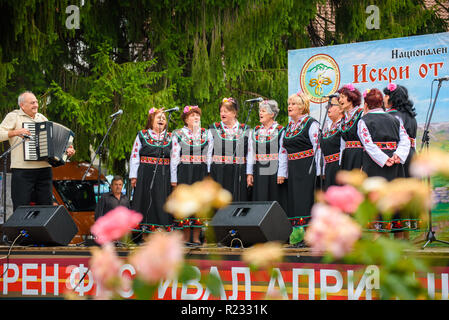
[425, 141]
[239, 178]
[3, 156]
[99, 158]
[320, 137]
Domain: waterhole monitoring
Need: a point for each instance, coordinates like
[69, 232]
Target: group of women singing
[272, 162]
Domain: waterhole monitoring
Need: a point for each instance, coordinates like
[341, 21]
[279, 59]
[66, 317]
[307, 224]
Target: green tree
[127, 86]
[134, 54]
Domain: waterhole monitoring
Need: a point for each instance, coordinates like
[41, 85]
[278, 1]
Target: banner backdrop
[414, 62]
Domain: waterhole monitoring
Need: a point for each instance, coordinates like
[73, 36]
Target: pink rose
[115, 224]
[349, 86]
[346, 198]
[331, 231]
[392, 86]
[160, 257]
[366, 92]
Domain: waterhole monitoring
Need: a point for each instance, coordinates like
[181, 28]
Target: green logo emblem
[320, 77]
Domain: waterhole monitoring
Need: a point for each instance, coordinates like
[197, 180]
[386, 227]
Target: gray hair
[21, 97]
[271, 106]
[117, 178]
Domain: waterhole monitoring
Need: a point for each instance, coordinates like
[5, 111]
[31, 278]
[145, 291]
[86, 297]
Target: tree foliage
[136, 54]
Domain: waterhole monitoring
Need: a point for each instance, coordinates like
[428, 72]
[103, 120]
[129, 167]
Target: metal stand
[320, 137]
[425, 142]
[3, 156]
[237, 175]
[98, 151]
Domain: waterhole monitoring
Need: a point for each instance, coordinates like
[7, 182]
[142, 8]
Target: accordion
[50, 141]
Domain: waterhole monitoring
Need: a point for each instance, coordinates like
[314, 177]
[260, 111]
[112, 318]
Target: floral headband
[349, 86]
[366, 92]
[391, 87]
[228, 100]
[152, 110]
[299, 93]
[189, 108]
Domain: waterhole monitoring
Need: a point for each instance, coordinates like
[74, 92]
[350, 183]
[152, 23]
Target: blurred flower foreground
[337, 231]
[161, 255]
[345, 219]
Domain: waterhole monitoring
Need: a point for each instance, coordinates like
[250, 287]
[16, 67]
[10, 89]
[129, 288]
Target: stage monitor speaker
[43, 225]
[251, 223]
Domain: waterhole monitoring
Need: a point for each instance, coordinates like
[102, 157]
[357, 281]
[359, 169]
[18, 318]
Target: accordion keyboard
[30, 145]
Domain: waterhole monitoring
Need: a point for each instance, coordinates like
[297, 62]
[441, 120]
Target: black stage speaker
[44, 225]
[251, 222]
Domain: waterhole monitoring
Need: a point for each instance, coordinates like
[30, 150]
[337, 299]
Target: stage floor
[206, 249]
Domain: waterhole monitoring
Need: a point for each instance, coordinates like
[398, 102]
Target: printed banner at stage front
[58, 275]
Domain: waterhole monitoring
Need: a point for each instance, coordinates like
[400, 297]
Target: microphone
[172, 109]
[27, 136]
[117, 113]
[446, 78]
[255, 100]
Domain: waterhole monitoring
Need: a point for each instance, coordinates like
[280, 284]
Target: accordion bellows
[50, 141]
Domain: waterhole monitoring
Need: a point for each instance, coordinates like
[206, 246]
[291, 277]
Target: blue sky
[378, 55]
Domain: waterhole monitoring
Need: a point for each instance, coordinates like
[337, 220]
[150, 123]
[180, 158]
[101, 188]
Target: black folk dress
[229, 156]
[267, 162]
[191, 165]
[411, 126]
[149, 201]
[383, 130]
[352, 154]
[301, 171]
[330, 147]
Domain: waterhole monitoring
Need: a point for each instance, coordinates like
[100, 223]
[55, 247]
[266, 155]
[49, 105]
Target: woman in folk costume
[228, 146]
[386, 146]
[330, 142]
[150, 159]
[301, 143]
[383, 137]
[351, 150]
[398, 104]
[268, 161]
[189, 164]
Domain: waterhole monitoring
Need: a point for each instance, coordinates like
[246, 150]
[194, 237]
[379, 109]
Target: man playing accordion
[28, 177]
